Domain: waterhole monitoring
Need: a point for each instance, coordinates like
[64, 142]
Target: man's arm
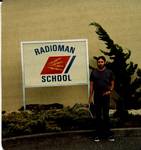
[112, 85]
[91, 92]
[111, 88]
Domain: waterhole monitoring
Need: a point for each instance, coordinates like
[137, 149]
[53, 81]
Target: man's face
[101, 63]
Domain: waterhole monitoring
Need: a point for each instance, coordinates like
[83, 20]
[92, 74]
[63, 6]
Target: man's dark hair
[101, 57]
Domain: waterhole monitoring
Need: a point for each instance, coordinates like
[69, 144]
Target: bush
[21, 123]
[54, 120]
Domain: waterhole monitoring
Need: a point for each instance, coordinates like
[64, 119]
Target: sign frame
[49, 41]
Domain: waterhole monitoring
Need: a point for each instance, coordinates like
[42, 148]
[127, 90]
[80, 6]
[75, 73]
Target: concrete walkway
[128, 138]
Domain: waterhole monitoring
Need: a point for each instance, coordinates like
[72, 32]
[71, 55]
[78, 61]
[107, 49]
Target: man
[102, 85]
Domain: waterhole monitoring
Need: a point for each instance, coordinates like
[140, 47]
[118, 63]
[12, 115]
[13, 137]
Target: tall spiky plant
[118, 64]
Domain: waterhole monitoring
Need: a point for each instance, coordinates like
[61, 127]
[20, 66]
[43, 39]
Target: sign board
[55, 63]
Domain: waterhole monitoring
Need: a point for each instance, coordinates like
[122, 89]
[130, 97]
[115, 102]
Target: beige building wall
[36, 20]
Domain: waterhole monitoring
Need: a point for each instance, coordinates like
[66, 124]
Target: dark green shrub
[55, 120]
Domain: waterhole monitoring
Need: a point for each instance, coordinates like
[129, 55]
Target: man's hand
[107, 93]
[90, 100]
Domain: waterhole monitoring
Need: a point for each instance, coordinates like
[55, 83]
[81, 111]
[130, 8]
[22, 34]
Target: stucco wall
[36, 20]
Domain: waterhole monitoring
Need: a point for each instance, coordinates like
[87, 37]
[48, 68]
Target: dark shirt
[102, 80]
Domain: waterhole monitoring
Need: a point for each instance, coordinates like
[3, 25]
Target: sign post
[54, 63]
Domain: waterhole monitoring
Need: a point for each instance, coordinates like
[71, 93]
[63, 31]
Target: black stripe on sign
[69, 65]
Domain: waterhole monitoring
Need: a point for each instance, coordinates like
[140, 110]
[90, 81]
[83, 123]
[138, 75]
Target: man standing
[101, 84]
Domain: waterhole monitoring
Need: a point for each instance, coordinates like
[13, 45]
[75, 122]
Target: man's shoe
[97, 139]
[111, 139]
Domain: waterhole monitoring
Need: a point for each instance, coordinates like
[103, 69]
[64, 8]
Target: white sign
[55, 63]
